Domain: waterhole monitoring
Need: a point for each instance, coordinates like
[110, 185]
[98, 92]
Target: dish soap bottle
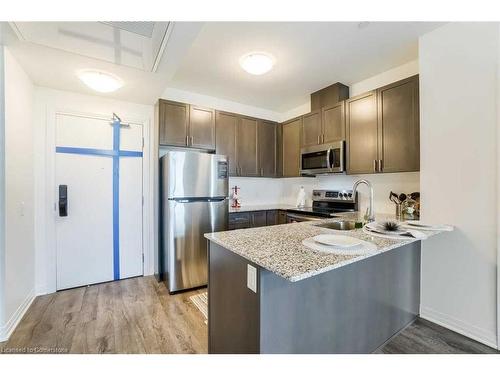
[301, 198]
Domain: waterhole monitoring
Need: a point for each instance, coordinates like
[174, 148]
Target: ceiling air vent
[140, 27]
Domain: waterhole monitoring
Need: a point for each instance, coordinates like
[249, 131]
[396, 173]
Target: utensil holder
[399, 211]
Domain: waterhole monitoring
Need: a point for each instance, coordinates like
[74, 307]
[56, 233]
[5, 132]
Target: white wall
[2, 191]
[19, 194]
[458, 136]
[47, 102]
[392, 75]
[220, 104]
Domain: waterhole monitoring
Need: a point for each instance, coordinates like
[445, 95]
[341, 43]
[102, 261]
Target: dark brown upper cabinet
[247, 149]
[201, 127]
[398, 118]
[333, 122]
[185, 125]
[324, 126]
[291, 134]
[382, 129]
[173, 118]
[312, 131]
[362, 133]
[250, 144]
[329, 95]
[226, 126]
[267, 148]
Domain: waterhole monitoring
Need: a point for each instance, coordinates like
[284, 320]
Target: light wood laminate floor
[128, 316]
[139, 316]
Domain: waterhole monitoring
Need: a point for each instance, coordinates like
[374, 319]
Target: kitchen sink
[339, 225]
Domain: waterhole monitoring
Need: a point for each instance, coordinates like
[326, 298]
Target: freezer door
[194, 174]
[185, 246]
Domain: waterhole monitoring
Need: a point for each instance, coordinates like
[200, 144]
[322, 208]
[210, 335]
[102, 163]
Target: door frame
[48, 226]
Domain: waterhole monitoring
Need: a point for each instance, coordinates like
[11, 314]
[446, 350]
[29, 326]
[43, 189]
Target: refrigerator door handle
[198, 199]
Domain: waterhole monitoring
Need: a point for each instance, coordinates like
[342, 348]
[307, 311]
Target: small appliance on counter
[235, 198]
[326, 203]
[301, 198]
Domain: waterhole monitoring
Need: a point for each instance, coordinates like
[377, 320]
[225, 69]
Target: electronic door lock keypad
[63, 200]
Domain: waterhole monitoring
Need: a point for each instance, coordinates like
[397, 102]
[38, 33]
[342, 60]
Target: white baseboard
[40, 290]
[459, 326]
[9, 327]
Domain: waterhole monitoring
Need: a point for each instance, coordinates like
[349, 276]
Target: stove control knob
[350, 195]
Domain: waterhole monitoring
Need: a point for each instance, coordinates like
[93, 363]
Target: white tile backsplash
[285, 190]
[257, 190]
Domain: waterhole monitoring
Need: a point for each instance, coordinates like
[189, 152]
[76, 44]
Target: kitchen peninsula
[268, 293]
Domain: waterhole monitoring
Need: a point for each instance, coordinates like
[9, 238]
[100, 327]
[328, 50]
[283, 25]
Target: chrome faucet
[371, 215]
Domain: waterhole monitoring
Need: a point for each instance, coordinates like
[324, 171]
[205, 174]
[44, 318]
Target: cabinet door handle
[375, 163]
[380, 165]
[187, 140]
[192, 140]
[319, 138]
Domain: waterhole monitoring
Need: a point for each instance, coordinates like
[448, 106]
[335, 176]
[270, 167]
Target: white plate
[419, 224]
[364, 248]
[337, 240]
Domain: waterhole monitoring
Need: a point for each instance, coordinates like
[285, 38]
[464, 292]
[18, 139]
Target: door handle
[63, 200]
[375, 165]
[319, 137]
[380, 165]
[192, 140]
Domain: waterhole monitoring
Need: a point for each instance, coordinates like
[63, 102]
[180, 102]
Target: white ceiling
[203, 57]
[309, 56]
[52, 59]
[133, 44]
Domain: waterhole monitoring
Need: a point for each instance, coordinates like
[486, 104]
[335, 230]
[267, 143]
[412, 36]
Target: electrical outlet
[252, 278]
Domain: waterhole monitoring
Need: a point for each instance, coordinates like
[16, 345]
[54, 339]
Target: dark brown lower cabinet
[253, 219]
[258, 219]
[271, 217]
[239, 220]
[281, 217]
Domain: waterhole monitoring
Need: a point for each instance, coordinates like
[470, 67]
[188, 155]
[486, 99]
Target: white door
[100, 164]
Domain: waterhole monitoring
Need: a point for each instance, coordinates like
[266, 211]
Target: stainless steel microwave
[323, 159]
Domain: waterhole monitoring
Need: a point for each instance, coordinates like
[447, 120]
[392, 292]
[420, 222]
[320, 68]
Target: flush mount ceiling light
[100, 81]
[257, 63]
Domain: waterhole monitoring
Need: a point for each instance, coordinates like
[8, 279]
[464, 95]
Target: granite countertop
[279, 249]
[261, 207]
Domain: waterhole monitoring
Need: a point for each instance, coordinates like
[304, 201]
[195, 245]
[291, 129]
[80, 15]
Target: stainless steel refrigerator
[194, 201]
